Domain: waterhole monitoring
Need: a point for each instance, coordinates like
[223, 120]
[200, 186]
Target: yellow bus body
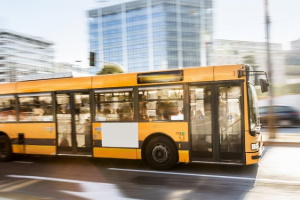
[178, 131]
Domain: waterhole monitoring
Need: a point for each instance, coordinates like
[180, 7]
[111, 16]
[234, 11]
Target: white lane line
[10, 183]
[23, 162]
[209, 175]
[18, 186]
[46, 178]
[89, 190]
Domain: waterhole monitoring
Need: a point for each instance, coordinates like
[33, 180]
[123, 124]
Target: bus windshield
[253, 107]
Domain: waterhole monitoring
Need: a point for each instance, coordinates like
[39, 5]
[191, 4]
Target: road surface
[277, 176]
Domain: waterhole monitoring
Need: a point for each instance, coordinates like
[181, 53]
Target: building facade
[295, 45]
[239, 52]
[293, 63]
[145, 35]
[23, 55]
[67, 67]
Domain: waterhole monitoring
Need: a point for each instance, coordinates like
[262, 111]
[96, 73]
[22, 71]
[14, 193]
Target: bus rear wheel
[161, 153]
[5, 149]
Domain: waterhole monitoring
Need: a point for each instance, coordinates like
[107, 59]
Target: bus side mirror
[264, 85]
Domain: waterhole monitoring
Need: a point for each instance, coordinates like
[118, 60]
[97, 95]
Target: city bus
[190, 115]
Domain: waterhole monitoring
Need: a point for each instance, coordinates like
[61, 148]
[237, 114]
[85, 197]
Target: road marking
[209, 175]
[89, 190]
[18, 186]
[10, 183]
[46, 178]
[23, 162]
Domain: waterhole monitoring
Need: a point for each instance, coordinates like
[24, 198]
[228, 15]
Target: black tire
[5, 149]
[161, 153]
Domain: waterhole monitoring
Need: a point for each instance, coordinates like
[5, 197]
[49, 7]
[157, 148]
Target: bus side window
[7, 108]
[114, 105]
[35, 107]
[161, 103]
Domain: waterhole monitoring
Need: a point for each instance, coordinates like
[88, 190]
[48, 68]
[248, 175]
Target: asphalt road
[277, 176]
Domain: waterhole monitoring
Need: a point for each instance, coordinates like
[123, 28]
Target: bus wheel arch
[5, 148]
[160, 151]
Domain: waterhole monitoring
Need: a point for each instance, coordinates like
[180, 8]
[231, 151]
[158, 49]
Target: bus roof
[196, 74]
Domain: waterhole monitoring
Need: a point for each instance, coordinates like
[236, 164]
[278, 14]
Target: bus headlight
[255, 146]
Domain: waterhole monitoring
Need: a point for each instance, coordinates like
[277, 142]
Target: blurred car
[283, 115]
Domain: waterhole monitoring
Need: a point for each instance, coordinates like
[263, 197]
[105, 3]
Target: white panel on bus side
[120, 135]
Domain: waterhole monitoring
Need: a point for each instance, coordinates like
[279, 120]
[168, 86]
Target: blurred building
[295, 45]
[239, 52]
[145, 35]
[67, 67]
[23, 55]
[293, 63]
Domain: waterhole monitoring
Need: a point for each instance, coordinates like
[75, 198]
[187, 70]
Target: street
[277, 176]
[289, 130]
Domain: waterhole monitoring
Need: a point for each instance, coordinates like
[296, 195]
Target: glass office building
[22, 55]
[145, 35]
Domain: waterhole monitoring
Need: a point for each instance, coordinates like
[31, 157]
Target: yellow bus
[203, 114]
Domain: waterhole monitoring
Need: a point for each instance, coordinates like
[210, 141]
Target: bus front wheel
[161, 153]
[5, 149]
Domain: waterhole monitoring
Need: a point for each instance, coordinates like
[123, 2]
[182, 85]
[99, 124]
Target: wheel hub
[160, 153]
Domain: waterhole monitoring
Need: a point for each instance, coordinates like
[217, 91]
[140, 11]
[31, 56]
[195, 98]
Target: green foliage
[280, 90]
[287, 89]
[110, 69]
[250, 59]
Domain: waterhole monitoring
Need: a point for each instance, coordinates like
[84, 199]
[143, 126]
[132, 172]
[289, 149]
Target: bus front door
[215, 123]
[73, 123]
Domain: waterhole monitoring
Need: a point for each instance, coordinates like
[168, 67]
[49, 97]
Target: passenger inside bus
[143, 111]
[107, 109]
[117, 111]
[125, 112]
[64, 141]
[202, 144]
[165, 110]
[38, 111]
[7, 111]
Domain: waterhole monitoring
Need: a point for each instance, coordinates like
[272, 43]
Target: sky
[65, 22]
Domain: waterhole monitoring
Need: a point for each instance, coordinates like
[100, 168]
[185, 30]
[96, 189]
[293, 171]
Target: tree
[110, 69]
[250, 59]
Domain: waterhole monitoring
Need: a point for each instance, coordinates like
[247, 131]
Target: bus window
[161, 103]
[230, 118]
[64, 120]
[253, 107]
[201, 120]
[82, 119]
[114, 105]
[35, 107]
[7, 108]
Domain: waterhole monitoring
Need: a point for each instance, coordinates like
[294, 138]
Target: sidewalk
[282, 139]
